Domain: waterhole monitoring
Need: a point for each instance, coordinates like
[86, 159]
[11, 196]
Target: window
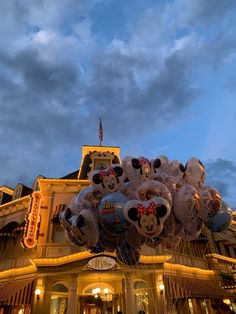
[59, 299]
[1, 197]
[6, 247]
[36, 183]
[17, 193]
[141, 295]
[58, 234]
[17, 248]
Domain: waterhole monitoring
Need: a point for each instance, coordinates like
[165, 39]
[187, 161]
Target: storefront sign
[30, 236]
[102, 263]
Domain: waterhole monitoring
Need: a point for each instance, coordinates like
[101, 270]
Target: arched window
[58, 234]
[1, 197]
[17, 192]
[59, 287]
[59, 298]
[36, 183]
[141, 295]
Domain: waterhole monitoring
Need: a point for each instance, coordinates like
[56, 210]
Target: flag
[100, 131]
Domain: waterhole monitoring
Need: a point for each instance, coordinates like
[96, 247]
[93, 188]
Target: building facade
[42, 272]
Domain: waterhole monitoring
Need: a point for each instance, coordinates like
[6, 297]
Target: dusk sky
[161, 74]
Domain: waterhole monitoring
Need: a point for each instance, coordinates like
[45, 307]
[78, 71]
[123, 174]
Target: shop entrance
[97, 298]
[92, 305]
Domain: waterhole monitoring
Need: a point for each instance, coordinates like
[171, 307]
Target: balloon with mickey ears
[148, 216]
[155, 202]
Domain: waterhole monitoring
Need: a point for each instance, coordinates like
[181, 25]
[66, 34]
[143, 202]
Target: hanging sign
[30, 236]
[101, 263]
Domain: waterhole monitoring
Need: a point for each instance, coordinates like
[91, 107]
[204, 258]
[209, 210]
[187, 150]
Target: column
[78, 305]
[195, 307]
[200, 307]
[122, 297]
[209, 308]
[129, 295]
[152, 293]
[114, 303]
[42, 302]
[161, 299]
[72, 306]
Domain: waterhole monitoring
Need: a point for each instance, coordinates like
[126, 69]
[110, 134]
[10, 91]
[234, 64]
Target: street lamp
[37, 292]
[161, 287]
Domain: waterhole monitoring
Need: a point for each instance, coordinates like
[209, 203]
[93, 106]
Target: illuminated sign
[30, 236]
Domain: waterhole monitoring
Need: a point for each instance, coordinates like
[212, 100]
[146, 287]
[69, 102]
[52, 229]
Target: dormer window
[102, 166]
[36, 183]
[1, 197]
[18, 191]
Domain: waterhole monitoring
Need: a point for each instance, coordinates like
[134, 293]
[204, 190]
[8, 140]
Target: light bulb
[37, 291]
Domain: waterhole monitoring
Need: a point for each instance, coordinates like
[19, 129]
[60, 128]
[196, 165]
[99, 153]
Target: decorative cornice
[6, 189]
[147, 260]
[222, 257]
[153, 259]
[188, 270]
[86, 149]
[47, 185]
[15, 272]
[15, 205]
[57, 261]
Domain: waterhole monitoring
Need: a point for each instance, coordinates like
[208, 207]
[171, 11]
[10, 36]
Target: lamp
[104, 295]
[161, 287]
[37, 292]
[96, 292]
[105, 290]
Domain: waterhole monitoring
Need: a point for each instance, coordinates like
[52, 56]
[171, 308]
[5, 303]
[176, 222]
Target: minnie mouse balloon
[136, 170]
[109, 180]
[148, 216]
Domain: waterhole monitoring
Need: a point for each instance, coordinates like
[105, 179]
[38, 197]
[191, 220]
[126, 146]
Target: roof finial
[100, 132]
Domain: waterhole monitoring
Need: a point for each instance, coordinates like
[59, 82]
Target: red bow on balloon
[106, 173]
[146, 210]
[143, 161]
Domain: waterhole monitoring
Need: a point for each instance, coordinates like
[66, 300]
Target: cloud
[206, 12]
[58, 77]
[221, 174]
[37, 110]
[230, 85]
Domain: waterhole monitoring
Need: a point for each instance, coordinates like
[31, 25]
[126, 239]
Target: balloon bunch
[141, 201]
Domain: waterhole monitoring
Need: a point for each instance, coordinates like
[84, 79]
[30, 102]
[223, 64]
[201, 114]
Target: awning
[17, 292]
[58, 209]
[11, 229]
[182, 287]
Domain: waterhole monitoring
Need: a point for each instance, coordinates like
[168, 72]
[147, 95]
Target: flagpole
[100, 132]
